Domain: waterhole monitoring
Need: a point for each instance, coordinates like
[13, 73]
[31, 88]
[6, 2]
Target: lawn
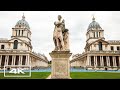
[74, 75]
[34, 75]
[94, 75]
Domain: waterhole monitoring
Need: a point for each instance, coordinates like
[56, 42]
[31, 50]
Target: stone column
[95, 34]
[6, 59]
[13, 59]
[115, 61]
[19, 63]
[98, 34]
[102, 61]
[21, 32]
[107, 59]
[94, 61]
[17, 32]
[26, 62]
[87, 62]
[21, 57]
[60, 64]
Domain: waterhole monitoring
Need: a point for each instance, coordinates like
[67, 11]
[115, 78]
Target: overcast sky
[42, 26]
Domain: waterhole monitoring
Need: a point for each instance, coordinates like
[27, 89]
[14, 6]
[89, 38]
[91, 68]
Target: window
[15, 44]
[112, 48]
[2, 46]
[100, 45]
[118, 48]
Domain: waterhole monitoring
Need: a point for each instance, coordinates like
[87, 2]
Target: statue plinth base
[60, 64]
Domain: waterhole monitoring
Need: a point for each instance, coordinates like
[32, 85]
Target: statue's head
[59, 17]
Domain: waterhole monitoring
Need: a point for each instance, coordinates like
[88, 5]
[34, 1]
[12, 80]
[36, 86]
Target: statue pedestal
[60, 64]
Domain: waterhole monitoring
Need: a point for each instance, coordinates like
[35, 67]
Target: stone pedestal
[60, 64]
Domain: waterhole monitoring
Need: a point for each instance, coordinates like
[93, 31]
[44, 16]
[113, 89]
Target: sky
[42, 25]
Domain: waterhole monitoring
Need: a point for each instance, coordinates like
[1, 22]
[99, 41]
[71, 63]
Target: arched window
[15, 44]
[2, 46]
[100, 45]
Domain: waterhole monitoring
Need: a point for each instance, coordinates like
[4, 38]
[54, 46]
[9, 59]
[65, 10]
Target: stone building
[18, 50]
[99, 53]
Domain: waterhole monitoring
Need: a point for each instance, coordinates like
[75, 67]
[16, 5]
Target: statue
[60, 35]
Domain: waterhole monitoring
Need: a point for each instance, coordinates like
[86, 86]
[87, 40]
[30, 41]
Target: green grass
[34, 75]
[74, 75]
[94, 75]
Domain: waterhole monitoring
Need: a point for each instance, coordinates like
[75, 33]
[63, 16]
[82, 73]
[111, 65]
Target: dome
[94, 25]
[23, 22]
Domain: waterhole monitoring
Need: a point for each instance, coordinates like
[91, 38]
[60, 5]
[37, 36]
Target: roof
[94, 25]
[23, 22]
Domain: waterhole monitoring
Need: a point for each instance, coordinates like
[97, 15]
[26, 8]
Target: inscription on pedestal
[60, 64]
[61, 68]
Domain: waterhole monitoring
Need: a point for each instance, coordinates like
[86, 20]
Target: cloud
[42, 26]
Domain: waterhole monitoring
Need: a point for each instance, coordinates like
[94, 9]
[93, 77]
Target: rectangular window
[2, 46]
[112, 48]
[118, 48]
[100, 45]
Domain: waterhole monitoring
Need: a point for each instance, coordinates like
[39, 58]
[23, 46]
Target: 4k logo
[17, 71]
